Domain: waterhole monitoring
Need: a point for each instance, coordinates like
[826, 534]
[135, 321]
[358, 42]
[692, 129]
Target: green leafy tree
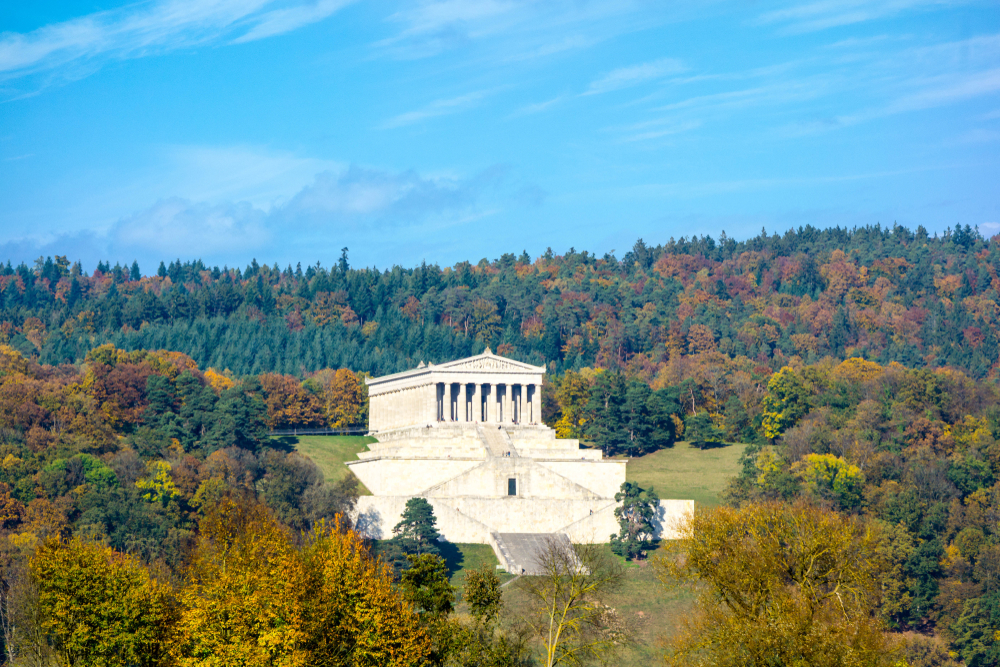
[425, 585]
[483, 594]
[700, 431]
[636, 514]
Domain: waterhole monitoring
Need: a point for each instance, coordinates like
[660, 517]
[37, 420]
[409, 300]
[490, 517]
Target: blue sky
[446, 130]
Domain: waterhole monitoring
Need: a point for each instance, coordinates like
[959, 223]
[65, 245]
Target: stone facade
[467, 436]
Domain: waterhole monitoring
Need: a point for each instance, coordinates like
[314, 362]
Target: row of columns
[489, 403]
[456, 402]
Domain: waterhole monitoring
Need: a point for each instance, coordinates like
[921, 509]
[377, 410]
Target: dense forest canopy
[860, 366]
[887, 294]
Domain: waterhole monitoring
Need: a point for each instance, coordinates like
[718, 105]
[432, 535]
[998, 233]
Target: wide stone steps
[525, 553]
[496, 440]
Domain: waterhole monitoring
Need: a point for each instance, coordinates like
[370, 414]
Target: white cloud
[438, 108]
[180, 227]
[140, 29]
[538, 107]
[634, 75]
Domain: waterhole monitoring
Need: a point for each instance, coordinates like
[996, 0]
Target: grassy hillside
[330, 452]
[686, 472]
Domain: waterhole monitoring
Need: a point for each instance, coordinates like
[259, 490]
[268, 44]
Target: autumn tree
[351, 613]
[484, 324]
[289, 403]
[101, 607]
[240, 603]
[345, 397]
[780, 584]
[786, 401]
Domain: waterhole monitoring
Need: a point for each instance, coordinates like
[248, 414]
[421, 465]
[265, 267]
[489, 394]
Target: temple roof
[487, 362]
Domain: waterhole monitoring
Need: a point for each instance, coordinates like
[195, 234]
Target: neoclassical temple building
[468, 436]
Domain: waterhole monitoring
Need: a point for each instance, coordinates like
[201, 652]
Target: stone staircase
[523, 553]
[496, 441]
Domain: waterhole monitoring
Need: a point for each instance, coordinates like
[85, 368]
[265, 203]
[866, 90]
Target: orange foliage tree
[289, 403]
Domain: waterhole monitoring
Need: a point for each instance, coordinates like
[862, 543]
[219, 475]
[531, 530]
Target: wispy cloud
[626, 77]
[537, 107]
[280, 21]
[518, 29]
[824, 14]
[662, 131]
[438, 108]
[932, 92]
[141, 29]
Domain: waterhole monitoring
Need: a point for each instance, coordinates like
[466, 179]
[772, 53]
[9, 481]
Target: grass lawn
[686, 472]
[330, 451]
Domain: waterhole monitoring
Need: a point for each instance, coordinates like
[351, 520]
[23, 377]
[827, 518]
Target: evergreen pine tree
[635, 515]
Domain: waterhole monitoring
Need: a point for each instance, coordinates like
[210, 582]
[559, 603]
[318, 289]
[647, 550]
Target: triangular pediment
[487, 361]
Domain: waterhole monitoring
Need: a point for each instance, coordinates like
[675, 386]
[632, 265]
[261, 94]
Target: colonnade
[488, 403]
[456, 402]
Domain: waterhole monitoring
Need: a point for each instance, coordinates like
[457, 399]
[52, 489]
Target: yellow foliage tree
[253, 598]
[100, 607]
[781, 585]
[345, 397]
[240, 603]
[857, 370]
[572, 396]
[219, 381]
[352, 614]
[831, 477]
[159, 486]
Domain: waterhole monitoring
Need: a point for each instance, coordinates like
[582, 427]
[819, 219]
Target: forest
[885, 294]
[860, 365]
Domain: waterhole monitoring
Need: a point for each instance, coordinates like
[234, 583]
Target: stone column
[490, 394]
[463, 402]
[536, 403]
[504, 397]
[428, 402]
[473, 396]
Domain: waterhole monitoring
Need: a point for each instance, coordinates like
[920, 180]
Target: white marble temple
[467, 435]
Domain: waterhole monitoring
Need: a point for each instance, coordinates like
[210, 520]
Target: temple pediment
[487, 361]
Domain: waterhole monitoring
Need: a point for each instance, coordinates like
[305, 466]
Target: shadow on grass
[452, 555]
[285, 443]
[712, 444]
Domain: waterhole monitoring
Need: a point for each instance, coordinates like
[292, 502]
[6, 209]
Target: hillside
[889, 294]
